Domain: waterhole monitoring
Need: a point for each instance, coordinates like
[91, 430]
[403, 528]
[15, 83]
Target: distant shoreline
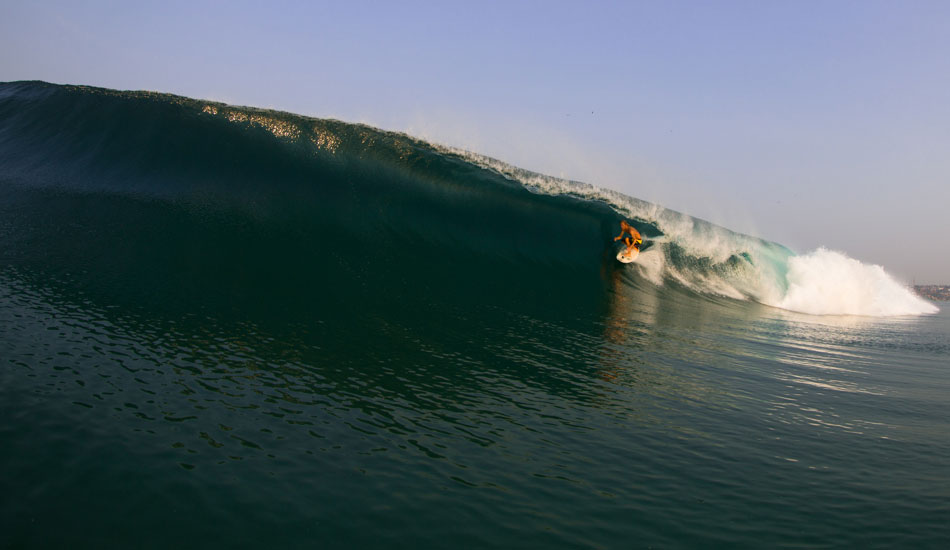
[940, 293]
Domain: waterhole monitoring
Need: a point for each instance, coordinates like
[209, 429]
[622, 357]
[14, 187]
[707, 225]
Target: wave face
[201, 202]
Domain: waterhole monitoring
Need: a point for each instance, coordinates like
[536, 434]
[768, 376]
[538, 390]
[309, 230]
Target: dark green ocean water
[225, 327]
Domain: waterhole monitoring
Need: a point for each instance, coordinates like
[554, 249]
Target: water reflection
[661, 347]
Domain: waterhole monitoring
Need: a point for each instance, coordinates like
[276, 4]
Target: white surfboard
[623, 257]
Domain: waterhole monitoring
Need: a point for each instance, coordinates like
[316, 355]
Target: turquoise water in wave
[216, 331]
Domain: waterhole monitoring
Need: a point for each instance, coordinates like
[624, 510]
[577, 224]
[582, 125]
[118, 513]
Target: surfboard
[627, 258]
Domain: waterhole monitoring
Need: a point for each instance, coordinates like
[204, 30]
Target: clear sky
[806, 122]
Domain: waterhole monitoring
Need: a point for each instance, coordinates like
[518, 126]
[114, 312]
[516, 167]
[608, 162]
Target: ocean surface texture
[225, 327]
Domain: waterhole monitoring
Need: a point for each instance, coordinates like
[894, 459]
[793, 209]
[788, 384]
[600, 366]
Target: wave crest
[427, 199]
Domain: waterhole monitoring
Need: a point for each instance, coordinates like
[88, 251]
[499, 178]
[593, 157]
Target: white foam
[651, 266]
[825, 282]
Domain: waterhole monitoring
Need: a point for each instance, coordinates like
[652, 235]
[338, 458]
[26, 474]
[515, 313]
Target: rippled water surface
[664, 420]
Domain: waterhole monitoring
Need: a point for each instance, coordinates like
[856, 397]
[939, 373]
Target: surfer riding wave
[632, 238]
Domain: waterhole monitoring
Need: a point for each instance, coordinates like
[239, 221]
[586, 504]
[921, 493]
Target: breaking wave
[217, 200]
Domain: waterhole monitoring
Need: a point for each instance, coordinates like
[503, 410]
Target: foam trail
[825, 282]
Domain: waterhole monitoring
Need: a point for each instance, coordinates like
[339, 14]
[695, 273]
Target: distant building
[940, 293]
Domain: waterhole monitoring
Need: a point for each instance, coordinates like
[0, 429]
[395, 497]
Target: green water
[663, 422]
[225, 327]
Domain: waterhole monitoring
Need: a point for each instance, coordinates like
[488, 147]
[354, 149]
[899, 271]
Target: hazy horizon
[807, 124]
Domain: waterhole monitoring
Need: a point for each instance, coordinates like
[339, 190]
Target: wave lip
[825, 282]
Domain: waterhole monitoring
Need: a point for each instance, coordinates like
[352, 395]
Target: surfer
[633, 238]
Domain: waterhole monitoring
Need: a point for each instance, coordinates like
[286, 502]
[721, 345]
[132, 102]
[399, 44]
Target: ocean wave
[358, 197]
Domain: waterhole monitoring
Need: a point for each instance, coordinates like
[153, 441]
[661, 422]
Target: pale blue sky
[810, 123]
